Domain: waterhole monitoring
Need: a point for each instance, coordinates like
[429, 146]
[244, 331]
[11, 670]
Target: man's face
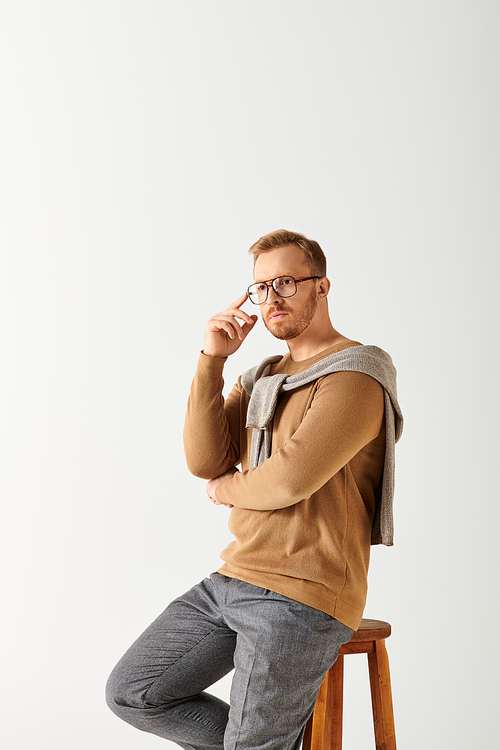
[287, 317]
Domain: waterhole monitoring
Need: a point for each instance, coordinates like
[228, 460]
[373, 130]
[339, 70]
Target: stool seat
[324, 729]
[371, 630]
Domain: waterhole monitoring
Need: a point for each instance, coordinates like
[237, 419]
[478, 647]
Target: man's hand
[224, 334]
[212, 487]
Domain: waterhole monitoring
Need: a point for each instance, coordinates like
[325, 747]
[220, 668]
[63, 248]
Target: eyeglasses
[284, 286]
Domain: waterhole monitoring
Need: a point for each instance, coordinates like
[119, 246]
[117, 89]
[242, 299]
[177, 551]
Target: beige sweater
[302, 519]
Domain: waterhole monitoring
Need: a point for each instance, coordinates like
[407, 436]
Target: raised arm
[211, 430]
[224, 334]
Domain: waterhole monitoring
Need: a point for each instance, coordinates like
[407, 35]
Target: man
[314, 433]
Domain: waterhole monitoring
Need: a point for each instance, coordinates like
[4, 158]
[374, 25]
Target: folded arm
[346, 413]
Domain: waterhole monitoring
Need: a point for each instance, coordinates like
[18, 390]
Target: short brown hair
[314, 255]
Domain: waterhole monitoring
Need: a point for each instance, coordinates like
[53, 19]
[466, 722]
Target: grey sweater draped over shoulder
[264, 389]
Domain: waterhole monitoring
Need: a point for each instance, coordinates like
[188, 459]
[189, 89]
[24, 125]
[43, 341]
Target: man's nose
[273, 297]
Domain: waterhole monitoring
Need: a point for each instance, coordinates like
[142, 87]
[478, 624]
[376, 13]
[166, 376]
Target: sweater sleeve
[346, 413]
[212, 424]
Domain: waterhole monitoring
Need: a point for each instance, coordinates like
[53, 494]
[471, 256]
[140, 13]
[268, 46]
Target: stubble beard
[295, 323]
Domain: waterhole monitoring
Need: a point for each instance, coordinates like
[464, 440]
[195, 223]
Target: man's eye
[285, 282]
[261, 288]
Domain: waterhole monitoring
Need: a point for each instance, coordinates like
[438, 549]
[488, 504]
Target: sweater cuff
[221, 493]
[211, 364]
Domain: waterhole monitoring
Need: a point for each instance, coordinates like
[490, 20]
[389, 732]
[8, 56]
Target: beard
[296, 322]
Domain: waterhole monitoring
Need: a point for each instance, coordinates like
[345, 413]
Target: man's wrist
[221, 482]
[213, 356]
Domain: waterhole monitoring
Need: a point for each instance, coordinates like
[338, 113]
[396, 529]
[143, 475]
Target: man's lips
[277, 315]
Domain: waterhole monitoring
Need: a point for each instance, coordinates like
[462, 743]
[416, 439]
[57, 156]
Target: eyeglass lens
[284, 286]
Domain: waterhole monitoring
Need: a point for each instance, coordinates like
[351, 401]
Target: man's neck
[314, 341]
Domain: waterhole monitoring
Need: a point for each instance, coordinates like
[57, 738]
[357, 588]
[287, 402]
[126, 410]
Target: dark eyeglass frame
[270, 283]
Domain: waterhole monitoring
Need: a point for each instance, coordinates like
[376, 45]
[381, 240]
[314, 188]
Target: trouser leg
[283, 651]
[158, 686]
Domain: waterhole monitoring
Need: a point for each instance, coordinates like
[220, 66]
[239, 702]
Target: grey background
[145, 145]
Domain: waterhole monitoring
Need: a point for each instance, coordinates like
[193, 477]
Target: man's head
[288, 254]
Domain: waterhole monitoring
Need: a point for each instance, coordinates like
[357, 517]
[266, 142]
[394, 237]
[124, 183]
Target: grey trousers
[280, 650]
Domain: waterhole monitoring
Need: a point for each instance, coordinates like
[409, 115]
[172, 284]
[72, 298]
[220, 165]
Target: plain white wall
[145, 146]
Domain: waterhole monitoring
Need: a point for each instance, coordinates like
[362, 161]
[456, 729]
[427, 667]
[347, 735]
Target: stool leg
[324, 728]
[333, 728]
[380, 685]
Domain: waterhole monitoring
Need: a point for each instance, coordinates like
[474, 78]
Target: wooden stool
[324, 728]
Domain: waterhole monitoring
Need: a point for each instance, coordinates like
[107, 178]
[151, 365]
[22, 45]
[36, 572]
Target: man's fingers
[226, 330]
[238, 302]
[226, 323]
[237, 313]
[230, 318]
[234, 311]
[247, 327]
[227, 505]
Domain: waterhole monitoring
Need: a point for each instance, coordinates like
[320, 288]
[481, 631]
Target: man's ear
[323, 286]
